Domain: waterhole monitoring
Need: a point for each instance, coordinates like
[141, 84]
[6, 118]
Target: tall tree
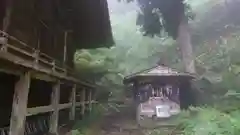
[171, 16]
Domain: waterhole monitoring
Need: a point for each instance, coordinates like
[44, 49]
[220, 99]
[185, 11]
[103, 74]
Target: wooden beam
[19, 107]
[79, 104]
[83, 101]
[53, 127]
[29, 64]
[64, 106]
[44, 77]
[41, 109]
[73, 101]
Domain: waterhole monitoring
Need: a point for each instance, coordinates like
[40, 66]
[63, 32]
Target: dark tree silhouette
[171, 16]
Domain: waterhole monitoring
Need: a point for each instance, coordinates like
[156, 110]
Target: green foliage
[82, 126]
[108, 66]
[204, 121]
[209, 121]
[216, 58]
[217, 61]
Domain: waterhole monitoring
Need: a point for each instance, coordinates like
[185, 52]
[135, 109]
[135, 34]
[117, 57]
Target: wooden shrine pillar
[19, 106]
[83, 97]
[53, 125]
[73, 101]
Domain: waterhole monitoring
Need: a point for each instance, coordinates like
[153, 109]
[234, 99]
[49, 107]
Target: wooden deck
[40, 64]
[29, 63]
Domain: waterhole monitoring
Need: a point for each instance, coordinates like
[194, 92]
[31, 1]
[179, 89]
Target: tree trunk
[184, 42]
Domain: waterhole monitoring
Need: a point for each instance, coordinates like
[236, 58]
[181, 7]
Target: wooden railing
[18, 52]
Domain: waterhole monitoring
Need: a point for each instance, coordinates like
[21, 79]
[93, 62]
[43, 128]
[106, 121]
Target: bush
[210, 121]
[205, 121]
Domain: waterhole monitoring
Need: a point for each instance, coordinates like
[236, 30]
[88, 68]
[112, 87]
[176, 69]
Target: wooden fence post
[19, 106]
[53, 127]
[83, 101]
[73, 101]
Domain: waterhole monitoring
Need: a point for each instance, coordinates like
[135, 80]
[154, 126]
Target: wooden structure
[158, 78]
[38, 39]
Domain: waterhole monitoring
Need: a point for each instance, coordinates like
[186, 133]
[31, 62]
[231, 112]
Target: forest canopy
[215, 38]
[216, 57]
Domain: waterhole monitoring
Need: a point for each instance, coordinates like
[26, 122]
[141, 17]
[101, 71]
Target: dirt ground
[123, 123]
[118, 123]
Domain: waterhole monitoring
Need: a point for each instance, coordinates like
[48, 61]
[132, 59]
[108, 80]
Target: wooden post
[83, 95]
[73, 101]
[53, 127]
[7, 18]
[65, 47]
[90, 100]
[19, 106]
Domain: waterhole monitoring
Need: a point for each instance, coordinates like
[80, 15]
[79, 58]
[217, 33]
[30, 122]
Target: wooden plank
[83, 101]
[41, 109]
[19, 107]
[53, 127]
[64, 106]
[44, 109]
[94, 102]
[79, 104]
[44, 77]
[73, 101]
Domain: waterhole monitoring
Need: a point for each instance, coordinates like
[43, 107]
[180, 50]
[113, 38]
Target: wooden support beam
[50, 108]
[73, 101]
[83, 93]
[38, 110]
[79, 104]
[53, 127]
[19, 106]
[44, 77]
[90, 100]
[64, 106]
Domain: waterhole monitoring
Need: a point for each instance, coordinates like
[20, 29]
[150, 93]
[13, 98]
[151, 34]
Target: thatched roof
[157, 71]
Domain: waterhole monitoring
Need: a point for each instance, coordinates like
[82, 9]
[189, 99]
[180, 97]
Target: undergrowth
[82, 126]
[210, 121]
[206, 121]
